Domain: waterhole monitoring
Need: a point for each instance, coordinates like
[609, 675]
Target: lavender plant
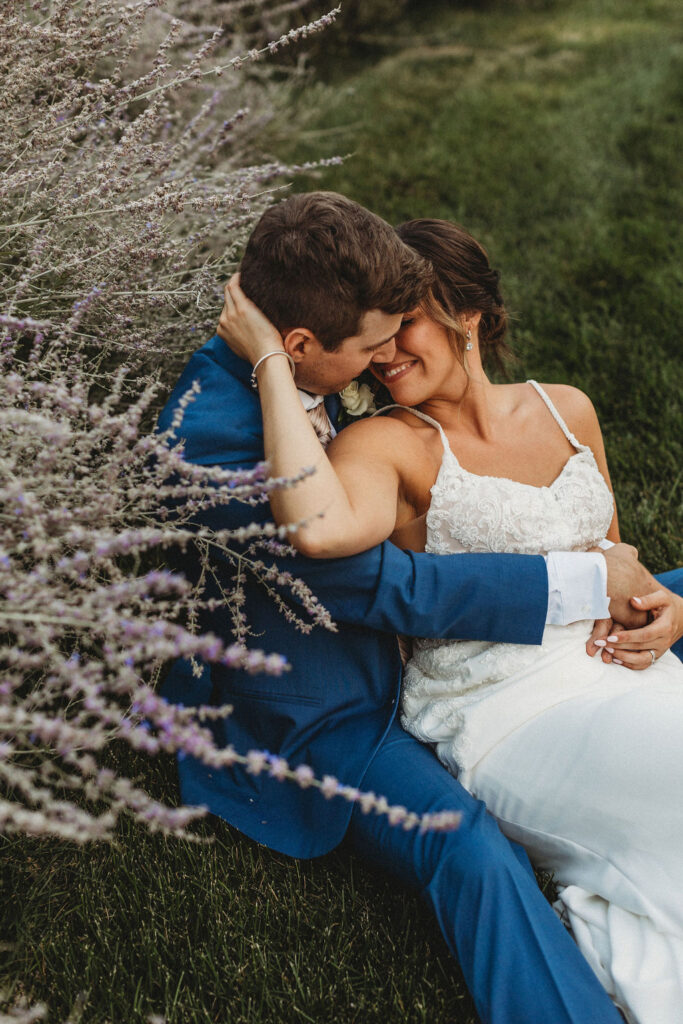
[84, 495]
[126, 143]
[22, 1013]
[128, 186]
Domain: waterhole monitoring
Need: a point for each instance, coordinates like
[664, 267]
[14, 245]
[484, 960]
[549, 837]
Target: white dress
[581, 762]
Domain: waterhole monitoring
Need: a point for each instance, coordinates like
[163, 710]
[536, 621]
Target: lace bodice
[461, 695]
[469, 512]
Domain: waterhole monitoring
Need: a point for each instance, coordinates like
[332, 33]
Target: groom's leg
[519, 962]
[674, 581]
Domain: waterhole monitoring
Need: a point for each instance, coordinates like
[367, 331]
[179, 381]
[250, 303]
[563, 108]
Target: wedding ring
[653, 656]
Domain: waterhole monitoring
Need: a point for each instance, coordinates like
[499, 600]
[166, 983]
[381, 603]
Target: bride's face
[424, 364]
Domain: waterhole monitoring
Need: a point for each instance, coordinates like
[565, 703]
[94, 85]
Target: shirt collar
[308, 400]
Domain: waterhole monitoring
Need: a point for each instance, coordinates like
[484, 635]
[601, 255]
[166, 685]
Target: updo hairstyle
[464, 283]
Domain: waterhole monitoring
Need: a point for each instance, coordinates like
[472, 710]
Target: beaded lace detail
[445, 680]
[469, 512]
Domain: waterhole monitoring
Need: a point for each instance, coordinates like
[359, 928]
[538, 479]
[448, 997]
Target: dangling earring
[469, 346]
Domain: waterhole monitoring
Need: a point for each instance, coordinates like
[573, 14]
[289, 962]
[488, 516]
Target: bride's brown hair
[464, 283]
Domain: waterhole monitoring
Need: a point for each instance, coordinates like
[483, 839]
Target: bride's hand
[243, 326]
[633, 648]
[598, 638]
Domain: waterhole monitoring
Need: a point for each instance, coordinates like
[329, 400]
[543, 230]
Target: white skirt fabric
[593, 789]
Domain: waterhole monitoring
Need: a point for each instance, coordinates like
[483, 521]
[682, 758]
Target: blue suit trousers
[519, 962]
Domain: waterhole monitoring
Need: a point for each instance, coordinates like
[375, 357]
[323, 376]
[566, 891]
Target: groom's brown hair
[320, 260]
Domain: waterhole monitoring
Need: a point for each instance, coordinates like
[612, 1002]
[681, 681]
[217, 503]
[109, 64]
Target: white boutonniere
[357, 399]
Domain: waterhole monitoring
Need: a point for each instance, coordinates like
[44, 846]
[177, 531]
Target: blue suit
[336, 708]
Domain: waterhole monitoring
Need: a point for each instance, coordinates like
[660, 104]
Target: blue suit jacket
[335, 705]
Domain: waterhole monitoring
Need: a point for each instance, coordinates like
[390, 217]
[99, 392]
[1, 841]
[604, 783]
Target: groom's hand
[627, 578]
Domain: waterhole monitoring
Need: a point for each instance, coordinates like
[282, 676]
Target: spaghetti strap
[421, 416]
[556, 416]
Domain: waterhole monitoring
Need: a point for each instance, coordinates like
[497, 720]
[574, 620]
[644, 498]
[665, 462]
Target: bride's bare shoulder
[575, 408]
[379, 436]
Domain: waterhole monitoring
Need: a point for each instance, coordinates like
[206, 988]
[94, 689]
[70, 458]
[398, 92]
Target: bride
[579, 757]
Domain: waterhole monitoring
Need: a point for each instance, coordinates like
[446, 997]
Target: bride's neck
[466, 406]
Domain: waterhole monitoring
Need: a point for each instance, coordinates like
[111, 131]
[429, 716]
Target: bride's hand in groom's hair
[626, 576]
[633, 647]
[243, 326]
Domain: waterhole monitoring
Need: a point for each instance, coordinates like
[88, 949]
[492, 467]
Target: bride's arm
[348, 508]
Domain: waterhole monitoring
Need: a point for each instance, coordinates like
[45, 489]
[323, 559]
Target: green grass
[553, 132]
[221, 932]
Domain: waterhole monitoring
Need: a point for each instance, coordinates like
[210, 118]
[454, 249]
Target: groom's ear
[299, 342]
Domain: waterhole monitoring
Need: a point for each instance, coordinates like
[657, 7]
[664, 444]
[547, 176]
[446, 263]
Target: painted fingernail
[600, 643]
[612, 639]
[617, 662]
[611, 650]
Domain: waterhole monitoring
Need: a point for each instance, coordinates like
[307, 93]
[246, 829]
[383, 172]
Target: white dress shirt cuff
[577, 587]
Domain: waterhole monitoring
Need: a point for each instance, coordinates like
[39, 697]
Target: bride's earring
[469, 346]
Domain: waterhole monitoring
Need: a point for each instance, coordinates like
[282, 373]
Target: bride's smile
[393, 371]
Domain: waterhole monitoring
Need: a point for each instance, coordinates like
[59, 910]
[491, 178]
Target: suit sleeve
[494, 597]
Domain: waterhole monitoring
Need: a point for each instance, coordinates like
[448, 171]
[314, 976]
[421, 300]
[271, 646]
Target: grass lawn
[552, 131]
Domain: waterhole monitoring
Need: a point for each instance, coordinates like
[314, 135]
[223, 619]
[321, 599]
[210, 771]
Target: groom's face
[323, 372]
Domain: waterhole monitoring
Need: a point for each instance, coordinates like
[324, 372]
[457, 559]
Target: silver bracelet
[275, 352]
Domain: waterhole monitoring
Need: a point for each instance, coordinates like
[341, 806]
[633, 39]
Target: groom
[325, 268]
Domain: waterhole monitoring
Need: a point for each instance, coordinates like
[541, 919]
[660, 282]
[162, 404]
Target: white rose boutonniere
[357, 399]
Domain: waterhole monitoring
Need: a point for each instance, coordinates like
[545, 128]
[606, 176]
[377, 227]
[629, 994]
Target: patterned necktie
[321, 423]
